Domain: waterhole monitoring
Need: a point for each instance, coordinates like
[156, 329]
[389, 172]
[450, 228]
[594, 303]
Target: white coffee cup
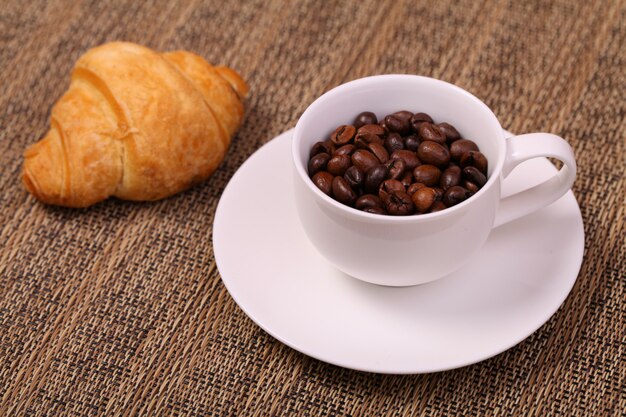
[409, 250]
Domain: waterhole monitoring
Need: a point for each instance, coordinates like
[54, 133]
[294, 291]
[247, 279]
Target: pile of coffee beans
[405, 164]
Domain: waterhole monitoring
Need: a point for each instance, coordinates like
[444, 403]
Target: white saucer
[515, 284]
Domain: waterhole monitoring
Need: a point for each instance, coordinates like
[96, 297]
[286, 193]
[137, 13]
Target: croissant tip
[235, 80]
[30, 184]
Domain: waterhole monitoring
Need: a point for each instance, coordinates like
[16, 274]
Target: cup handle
[533, 145]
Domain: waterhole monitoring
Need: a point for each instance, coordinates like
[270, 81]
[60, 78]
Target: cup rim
[384, 219]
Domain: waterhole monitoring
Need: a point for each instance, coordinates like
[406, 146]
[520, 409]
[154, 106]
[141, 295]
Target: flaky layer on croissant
[135, 124]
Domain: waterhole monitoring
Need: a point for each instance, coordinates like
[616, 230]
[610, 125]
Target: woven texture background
[119, 309]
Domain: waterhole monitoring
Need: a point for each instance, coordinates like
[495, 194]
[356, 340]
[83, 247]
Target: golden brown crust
[134, 124]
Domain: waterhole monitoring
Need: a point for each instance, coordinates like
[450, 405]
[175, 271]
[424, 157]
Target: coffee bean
[459, 147]
[368, 200]
[364, 140]
[323, 180]
[342, 191]
[455, 195]
[396, 168]
[450, 131]
[375, 210]
[394, 142]
[374, 177]
[398, 203]
[338, 164]
[411, 143]
[418, 118]
[437, 206]
[423, 199]
[404, 115]
[450, 177]
[354, 177]
[398, 125]
[364, 160]
[438, 193]
[343, 134]
[427, 174]
[474, 175]
[433, 153]
[474, 158]
[372, 129]
[365, 118]
[379, 151]
[405, 118]
[410, 158]
[391, 186]
[345, 150]
[318, 163]
[414, 187]
[429, 131]
[470, 186]
[322, 147]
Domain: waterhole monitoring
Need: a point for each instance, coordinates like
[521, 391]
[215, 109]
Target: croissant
[135, 124]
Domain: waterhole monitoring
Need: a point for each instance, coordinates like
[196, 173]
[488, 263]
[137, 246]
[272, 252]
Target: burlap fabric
[119, 309]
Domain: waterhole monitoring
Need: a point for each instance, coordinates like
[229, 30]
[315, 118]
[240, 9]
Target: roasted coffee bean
[474, 175]
[411, 143]
[372, 129]
[476, 159]
[455, 195]
[364, 160]
[318, 163]
[345, 150]
[404, 115]
[374, 177]
[324, 181]
[410, 158]
[429, 131]
[368, 200]
[342, 191]
[375, 210]
[450, 177]
[365, 118]
[379, 151]
[363, 140]
[397, 124]
[459, 147]
[427, 174]
[433, 153]
[338, 164]
[407, 179]
[398, 203]
[437, 206]
[394, 142]
[391, 186]
[418, 118]
[354, 177]
[343, 134]
[414, 187]
[396, 168]
[322, 147]
[423, 199]
[450, 131]
[470, 186]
